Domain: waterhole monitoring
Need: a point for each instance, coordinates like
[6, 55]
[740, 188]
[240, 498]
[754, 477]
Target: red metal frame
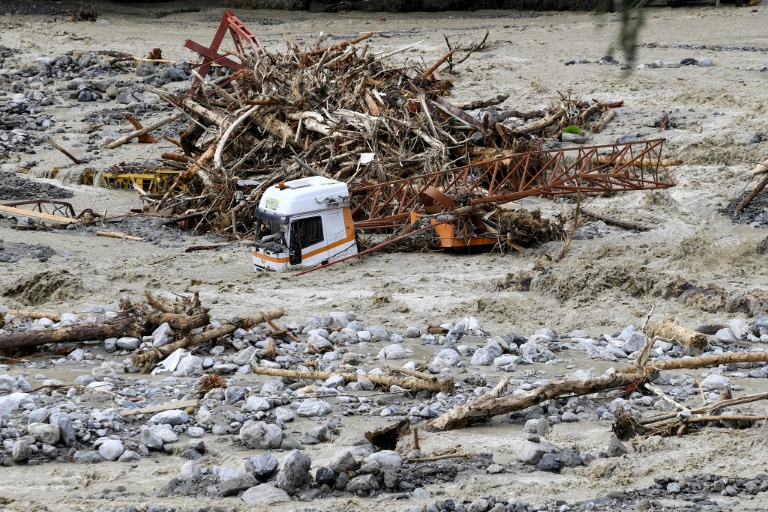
[592, 169]
[211, 55]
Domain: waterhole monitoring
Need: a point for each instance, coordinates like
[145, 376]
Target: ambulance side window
[309, 231]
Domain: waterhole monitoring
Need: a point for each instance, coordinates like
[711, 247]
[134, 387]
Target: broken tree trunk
[489, 405]
[668, 329]
[178, 321]
[703, 361]
[380, 380]
[147, 129]
[117, 328]
[144, 359]
[748, 199]
[614, 221]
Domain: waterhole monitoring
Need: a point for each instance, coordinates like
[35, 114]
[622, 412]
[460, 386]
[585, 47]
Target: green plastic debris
[573, 129]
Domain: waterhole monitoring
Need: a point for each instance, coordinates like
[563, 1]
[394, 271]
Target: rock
[174, 417]
[574, 138]
[634, 342]
[284, 414]
[479, 505]
[531, 452]
[705, 62]
[570, 457]
[264, 493]
[549, 462]
[569, 417]
[378, 333]
[11, 403]
[262, 466]
[688, 62]
[260, 435]
[44, 433]
[494, 469]
[616, 448]
[294, 472]
[189, 365]
[21, 451]
[129, 456]
[363, 485]
[162, 335]
[189, 471]
[128, 343]
[538, 426]
[344, 461]
[313, 407]
[87, 457]
[151, 439]
[233, 486]
[726, 335]
[145, 69]
[714, 382]
[445, 358]
[111, 450]
[66, 427]
[245, 356]
[256, 403]
[325, 476]
[85, 95]
[386, 459]
[393, 352]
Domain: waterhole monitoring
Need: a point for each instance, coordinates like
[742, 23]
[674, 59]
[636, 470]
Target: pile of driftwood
[341, 111]
[188, 320]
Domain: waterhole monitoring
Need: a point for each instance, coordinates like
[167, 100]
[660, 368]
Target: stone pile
[71, 79]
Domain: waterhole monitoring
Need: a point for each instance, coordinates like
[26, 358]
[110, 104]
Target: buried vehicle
[312, 221]
[307, 223]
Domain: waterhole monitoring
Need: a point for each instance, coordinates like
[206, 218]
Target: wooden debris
[493, 404]
[613, 221]
[115, 234]
[669, 330]
[144, 138]
[316, 111]
[152, 409]
[138, 133]
[64, 151]
[208, 382]
[145, 358]
[116, 328]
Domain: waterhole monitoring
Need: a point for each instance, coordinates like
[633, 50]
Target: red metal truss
[592, 169]
[240, 33]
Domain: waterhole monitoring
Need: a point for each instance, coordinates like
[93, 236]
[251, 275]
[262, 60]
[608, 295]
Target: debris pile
[346, 113]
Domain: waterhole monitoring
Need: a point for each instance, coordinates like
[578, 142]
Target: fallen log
[145, 358]
[145, 138]
[604, 121]
[119, 327]
[669, 330]
[35, 315]
[379, 380]
[147, 129]
[614, 221]
[689, 363]
[115, 234]
[64, 151]
[178, 322]
[490, 405]
[748, 199]
[151, 409]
